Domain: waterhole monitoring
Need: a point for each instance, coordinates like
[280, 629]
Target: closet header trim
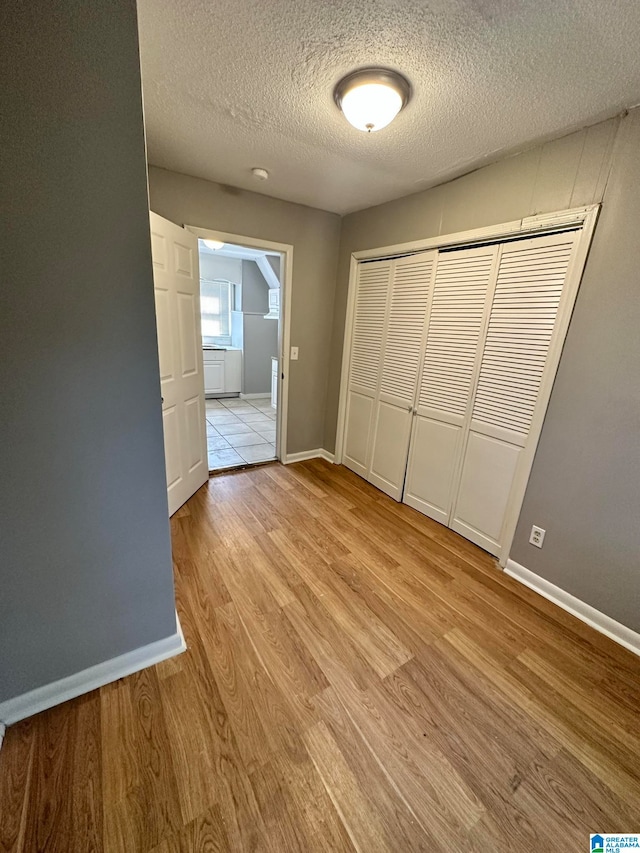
[566, 220]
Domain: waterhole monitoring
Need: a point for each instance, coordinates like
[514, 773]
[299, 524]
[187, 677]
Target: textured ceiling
[232, 85]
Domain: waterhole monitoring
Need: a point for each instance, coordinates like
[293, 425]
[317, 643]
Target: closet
[452, 357]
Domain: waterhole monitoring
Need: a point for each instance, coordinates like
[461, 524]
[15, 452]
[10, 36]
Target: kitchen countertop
[208, 348]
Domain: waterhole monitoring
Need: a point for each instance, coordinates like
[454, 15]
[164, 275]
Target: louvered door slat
[523, 314]
[409, 297]
[370, 312]
[455, 323]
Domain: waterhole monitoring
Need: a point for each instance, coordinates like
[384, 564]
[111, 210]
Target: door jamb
[284, 323]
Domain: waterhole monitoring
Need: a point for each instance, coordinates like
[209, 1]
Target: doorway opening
[241, 320]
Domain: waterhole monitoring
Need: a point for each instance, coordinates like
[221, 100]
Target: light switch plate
[294, 353]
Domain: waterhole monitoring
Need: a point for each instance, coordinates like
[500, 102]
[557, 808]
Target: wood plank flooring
[359, 678]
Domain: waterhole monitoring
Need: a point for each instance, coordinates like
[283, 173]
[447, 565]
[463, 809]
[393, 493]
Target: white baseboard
[255, 396]
[585, 612]
[90, 679]
[319, 453]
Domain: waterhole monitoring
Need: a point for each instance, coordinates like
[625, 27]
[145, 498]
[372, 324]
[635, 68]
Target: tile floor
[240, 431]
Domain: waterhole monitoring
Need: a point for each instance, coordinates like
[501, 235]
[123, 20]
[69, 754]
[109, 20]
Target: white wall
[217, 266]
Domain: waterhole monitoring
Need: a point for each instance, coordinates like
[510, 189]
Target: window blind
[215, 307]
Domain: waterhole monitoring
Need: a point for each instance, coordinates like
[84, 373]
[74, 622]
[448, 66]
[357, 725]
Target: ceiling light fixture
[260, 174]
[371, 98]
[214, 245]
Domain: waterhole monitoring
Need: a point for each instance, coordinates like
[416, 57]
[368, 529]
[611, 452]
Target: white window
[215, 308]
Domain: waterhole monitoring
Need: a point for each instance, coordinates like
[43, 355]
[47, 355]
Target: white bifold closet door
[521, 332]
[454, 343]
[388, 344]
[491, 328]
[372, 292]
[400, 364]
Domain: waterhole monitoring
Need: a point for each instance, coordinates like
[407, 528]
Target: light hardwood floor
[358, 678]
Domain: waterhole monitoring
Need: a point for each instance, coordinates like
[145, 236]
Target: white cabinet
[222, 372]
[274, 382]
[214, 377]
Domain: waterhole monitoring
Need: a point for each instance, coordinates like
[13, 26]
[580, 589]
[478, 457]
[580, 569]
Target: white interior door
[521, 331]
[456, 324]
[177, 295]
[403, 346]
[372, 291]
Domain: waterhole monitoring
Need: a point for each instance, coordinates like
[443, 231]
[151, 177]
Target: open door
[176, 281]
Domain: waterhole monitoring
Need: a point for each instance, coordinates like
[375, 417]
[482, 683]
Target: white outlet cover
[537, 536]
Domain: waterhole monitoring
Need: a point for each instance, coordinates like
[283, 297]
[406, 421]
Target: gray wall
[584, 488]
[255, 290]
[85, 571]
[260, 335]
[314, 235]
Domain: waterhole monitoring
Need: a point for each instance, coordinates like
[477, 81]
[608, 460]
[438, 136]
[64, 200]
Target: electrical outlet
[537, 536]
[294, 353]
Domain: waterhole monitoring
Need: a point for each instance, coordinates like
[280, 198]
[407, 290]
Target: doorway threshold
[230, 469]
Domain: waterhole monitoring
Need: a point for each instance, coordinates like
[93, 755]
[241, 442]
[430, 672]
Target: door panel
[487, 477]
[520, 330]
[391, 442]
[185, 255]
[370, 310]
[194, 416]
[412, 280]
[432, 463]
[214, 377]
[455, 328]
[171, 446]
[358, 432]
[177, 297]
[163, 321]
[405, 329]
[190, 337]
[523, 314]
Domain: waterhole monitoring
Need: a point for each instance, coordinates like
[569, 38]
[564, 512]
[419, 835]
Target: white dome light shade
[371, 106]
[372, 97]
[214, 245]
